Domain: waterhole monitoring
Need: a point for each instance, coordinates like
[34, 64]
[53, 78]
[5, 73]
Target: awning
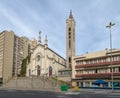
[99, 81]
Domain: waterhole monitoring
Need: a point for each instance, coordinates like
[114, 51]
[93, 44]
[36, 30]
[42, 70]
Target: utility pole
[110, 26]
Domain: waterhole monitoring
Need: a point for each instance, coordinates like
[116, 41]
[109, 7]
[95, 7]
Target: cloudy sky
[28, 17]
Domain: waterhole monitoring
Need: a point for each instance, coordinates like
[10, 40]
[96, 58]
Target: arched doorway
[50, 71]
[38, 70]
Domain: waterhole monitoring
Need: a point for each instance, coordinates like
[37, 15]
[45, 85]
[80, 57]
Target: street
[46, 94]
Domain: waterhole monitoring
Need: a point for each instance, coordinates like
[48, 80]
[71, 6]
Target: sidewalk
[101, 91]
[96, 91]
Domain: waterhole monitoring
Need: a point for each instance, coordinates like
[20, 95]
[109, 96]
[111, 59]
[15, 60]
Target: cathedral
[44, 61]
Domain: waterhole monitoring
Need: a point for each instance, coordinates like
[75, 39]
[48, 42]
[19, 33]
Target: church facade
[44, 61]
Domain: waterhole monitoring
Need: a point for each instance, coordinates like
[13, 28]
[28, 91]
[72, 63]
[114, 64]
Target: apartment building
[13, 49]
[6, 55]
[90, 67]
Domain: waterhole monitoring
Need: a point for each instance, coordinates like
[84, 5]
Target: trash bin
[64, 87]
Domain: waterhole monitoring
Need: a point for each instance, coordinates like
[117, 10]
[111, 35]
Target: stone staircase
[32, 83]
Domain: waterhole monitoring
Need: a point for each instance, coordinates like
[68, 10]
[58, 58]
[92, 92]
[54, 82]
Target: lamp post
[110, 26]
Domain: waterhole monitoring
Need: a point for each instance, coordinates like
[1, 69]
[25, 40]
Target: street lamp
[110, 26]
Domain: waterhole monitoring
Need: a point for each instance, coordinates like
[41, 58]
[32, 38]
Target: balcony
[97, 64]
[97, 75]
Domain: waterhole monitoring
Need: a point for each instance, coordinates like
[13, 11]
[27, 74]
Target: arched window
[69, 59]
[38, 58]
[50, 71]
[38, 70]
[69, 43]
[69, 29]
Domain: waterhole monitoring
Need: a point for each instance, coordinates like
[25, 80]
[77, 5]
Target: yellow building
[89, 67]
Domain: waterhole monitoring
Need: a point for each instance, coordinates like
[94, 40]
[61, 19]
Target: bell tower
[70, 40]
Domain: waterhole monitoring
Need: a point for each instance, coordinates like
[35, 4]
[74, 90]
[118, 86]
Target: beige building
[6, 55]
[44, 61]
[13, 49]
[88, 68]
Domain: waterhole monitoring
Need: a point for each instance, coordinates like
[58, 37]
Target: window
[96, 71]
[104, 60]
[69, 43]
[102, 70]
[69, 29]
[116, 69]
[79, 62]
[87, 84]
[114, 58]
[69, 39]
[38, 58]
[69, 33]
[99, 60]
[69, 59]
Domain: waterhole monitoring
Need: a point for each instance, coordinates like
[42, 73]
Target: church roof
[56, 53]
